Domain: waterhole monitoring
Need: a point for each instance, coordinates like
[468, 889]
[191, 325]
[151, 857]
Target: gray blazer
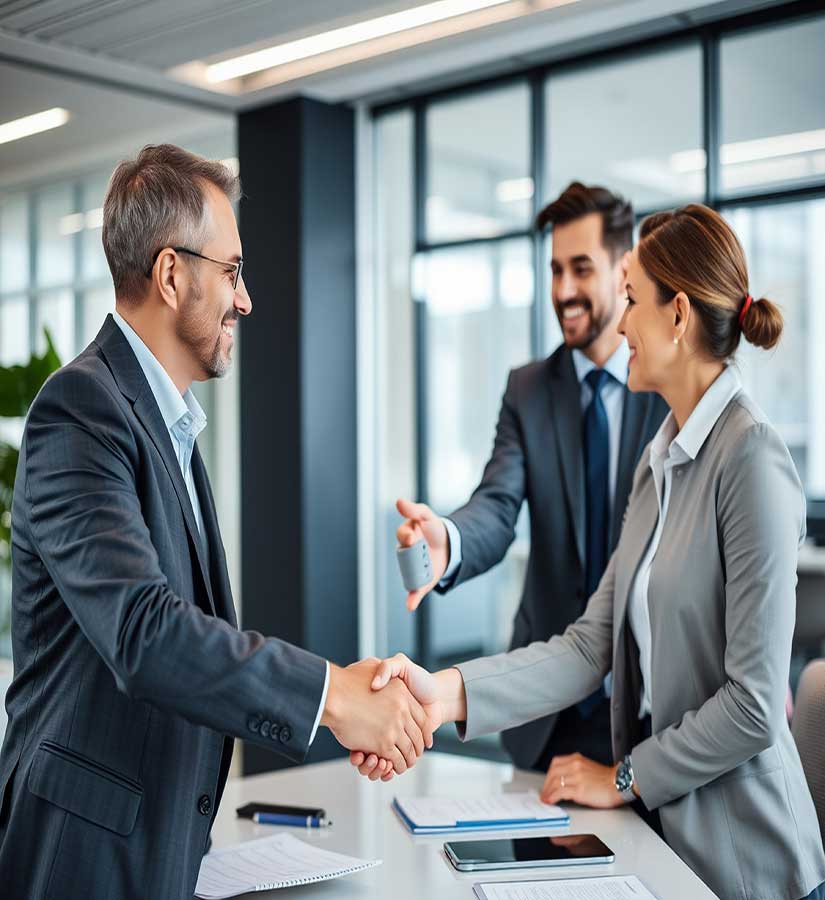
[537, 457]
[130, 671]
[721, 766]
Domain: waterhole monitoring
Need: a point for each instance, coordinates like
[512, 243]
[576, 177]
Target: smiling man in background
[131, 675]
[568, 438]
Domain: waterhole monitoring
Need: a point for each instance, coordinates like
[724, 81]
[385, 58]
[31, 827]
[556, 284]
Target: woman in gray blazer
[695, 613]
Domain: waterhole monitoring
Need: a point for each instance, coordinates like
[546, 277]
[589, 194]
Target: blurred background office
[393, 156]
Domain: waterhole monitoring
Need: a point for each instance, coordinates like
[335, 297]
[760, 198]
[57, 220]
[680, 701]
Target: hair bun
[762, 324]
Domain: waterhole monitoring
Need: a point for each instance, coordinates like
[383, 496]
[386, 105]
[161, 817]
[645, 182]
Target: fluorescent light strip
[338, 38]
[752, 151]
[28, 125]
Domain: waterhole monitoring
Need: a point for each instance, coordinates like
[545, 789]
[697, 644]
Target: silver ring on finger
[562, 780]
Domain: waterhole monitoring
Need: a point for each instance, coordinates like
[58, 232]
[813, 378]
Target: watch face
[623, 777]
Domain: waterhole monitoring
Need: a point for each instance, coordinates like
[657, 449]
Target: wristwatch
[624, 780]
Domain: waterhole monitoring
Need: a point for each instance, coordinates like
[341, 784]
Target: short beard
[597, 326]
[191, 328]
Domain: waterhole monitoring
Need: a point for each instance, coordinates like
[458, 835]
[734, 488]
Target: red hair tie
[745, 307]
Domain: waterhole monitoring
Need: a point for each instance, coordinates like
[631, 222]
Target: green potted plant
[18, 388]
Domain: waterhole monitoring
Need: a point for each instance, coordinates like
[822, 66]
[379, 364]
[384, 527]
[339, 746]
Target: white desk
[415, 868]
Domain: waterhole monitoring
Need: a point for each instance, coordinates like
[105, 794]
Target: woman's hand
[423, 686]
[577, 778]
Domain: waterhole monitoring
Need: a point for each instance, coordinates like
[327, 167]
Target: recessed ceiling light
[337, 38]
[34, 124]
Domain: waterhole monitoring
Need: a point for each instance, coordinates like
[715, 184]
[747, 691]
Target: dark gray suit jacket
[537, 456]
[130, 671]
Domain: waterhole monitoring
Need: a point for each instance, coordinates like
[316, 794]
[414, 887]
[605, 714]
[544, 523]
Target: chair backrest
[808, 728]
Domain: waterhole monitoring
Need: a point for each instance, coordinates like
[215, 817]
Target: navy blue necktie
[596, 445]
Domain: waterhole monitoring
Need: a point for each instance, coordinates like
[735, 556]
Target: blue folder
[479, 824]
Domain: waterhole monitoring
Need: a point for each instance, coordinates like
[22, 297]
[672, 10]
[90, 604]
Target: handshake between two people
[440, 695]
[373, 707]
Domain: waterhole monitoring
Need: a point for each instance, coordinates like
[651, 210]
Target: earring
[675, 340]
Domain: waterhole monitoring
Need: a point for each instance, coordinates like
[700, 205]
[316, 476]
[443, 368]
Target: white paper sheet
[271, 862]
[608, 887]
[431, 812]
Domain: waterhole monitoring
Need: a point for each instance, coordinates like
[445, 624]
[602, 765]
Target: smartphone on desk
[246, 812]
[528, 853]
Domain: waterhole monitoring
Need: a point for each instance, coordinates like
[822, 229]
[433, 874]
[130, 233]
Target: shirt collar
[700, 422]
[174, 408]
[615, 366]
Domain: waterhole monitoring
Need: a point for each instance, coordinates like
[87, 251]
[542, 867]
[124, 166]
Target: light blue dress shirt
[613, 398]
[669, 449]
[185, 420]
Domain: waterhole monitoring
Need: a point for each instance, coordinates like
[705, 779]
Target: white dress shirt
[668, 451]
[185, 420]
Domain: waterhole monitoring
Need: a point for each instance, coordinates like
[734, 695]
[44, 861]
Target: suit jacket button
[253, 723]
[285, 734]
[204, 805]
[274, 732]
[265, 726]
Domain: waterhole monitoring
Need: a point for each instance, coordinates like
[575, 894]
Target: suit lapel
[564, 403]
[217, 558]
[633, 433]
[132, 383]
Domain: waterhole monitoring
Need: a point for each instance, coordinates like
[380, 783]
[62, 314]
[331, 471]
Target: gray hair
[156, 201]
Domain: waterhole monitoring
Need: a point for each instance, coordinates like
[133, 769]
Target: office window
[478, 302]
[783, 245]
[94, 260]
[56, 225]
[14, 243]
[14, 330]
[478, 165]
[55, 310]
[395, 445]
[772, 97]
[633, 125]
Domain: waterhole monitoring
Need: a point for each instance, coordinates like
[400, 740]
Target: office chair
[808, 729]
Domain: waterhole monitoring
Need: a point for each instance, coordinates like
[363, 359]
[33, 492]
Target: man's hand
[577, 778]
[422, 522]
[389, 722]
[423, 686]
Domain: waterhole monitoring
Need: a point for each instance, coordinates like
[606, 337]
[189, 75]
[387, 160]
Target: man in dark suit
[130, 671]
[568, 438]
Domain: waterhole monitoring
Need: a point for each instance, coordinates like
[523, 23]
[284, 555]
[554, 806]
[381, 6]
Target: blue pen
[284, 819]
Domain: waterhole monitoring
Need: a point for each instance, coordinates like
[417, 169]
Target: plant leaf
[19, 384]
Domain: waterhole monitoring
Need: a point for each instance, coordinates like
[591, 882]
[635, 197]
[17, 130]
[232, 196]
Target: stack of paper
[272, 862]
[608, 887]
[442, 815]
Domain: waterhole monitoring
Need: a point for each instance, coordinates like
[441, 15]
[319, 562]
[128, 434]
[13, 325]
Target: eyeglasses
[237, 266]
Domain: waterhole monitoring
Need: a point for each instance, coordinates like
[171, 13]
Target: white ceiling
[107, 61]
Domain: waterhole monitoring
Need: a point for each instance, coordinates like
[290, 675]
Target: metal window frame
[708, 37]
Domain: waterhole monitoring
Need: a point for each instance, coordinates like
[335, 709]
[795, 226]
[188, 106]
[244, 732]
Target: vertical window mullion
[711, 90]
[538, 162]
[422, 623]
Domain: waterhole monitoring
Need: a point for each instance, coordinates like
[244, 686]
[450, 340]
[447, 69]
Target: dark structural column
[297, 381]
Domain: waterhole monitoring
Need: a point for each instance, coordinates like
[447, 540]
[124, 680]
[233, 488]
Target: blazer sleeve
[487, 522]
[80, 476]
[509, 689]
[761, 522]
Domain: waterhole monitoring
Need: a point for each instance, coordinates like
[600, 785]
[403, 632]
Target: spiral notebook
[269, 863]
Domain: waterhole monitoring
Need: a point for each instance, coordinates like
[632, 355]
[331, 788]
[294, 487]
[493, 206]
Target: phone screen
[509, 851]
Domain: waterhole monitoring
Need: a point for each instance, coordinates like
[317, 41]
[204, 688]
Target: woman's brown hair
[694, 250]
